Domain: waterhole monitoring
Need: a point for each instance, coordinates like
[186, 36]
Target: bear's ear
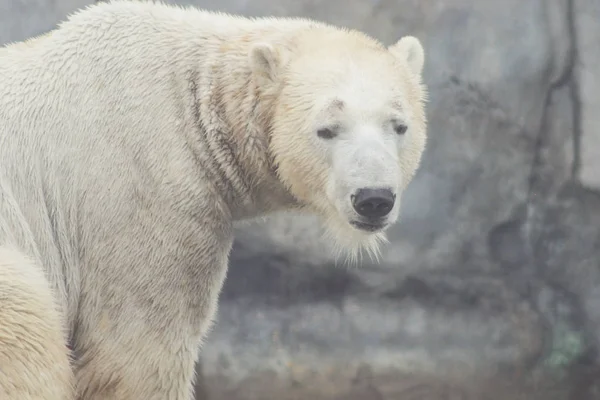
[410, 49]
[264, 61]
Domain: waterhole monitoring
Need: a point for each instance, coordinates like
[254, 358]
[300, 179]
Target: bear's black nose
[373, 203]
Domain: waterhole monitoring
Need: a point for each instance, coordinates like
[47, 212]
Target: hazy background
[495, 270]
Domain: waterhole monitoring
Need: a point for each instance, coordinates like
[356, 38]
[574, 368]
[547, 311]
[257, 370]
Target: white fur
[133, 136]
[34, 363]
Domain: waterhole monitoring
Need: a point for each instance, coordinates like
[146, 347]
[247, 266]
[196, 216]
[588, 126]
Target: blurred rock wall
[496, 263]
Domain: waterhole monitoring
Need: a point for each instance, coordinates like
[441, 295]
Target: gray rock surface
[587, 30]
[495, 268]
[20, 19]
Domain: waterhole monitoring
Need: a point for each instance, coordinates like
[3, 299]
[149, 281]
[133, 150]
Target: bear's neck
[231, 122]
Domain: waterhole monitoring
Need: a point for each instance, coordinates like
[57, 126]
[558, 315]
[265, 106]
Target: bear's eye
[326, 133]
[400, 128]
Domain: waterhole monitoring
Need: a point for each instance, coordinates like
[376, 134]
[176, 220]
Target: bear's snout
[373, 204]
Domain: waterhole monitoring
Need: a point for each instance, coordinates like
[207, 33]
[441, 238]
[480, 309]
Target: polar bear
[134, 135]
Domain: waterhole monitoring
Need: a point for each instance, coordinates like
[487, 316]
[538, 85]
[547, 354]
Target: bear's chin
[351, 243]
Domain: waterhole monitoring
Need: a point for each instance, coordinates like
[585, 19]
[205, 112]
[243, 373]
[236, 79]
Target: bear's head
[348, 126]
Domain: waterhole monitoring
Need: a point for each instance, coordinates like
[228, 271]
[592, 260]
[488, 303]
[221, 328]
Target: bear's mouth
[368, 227]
